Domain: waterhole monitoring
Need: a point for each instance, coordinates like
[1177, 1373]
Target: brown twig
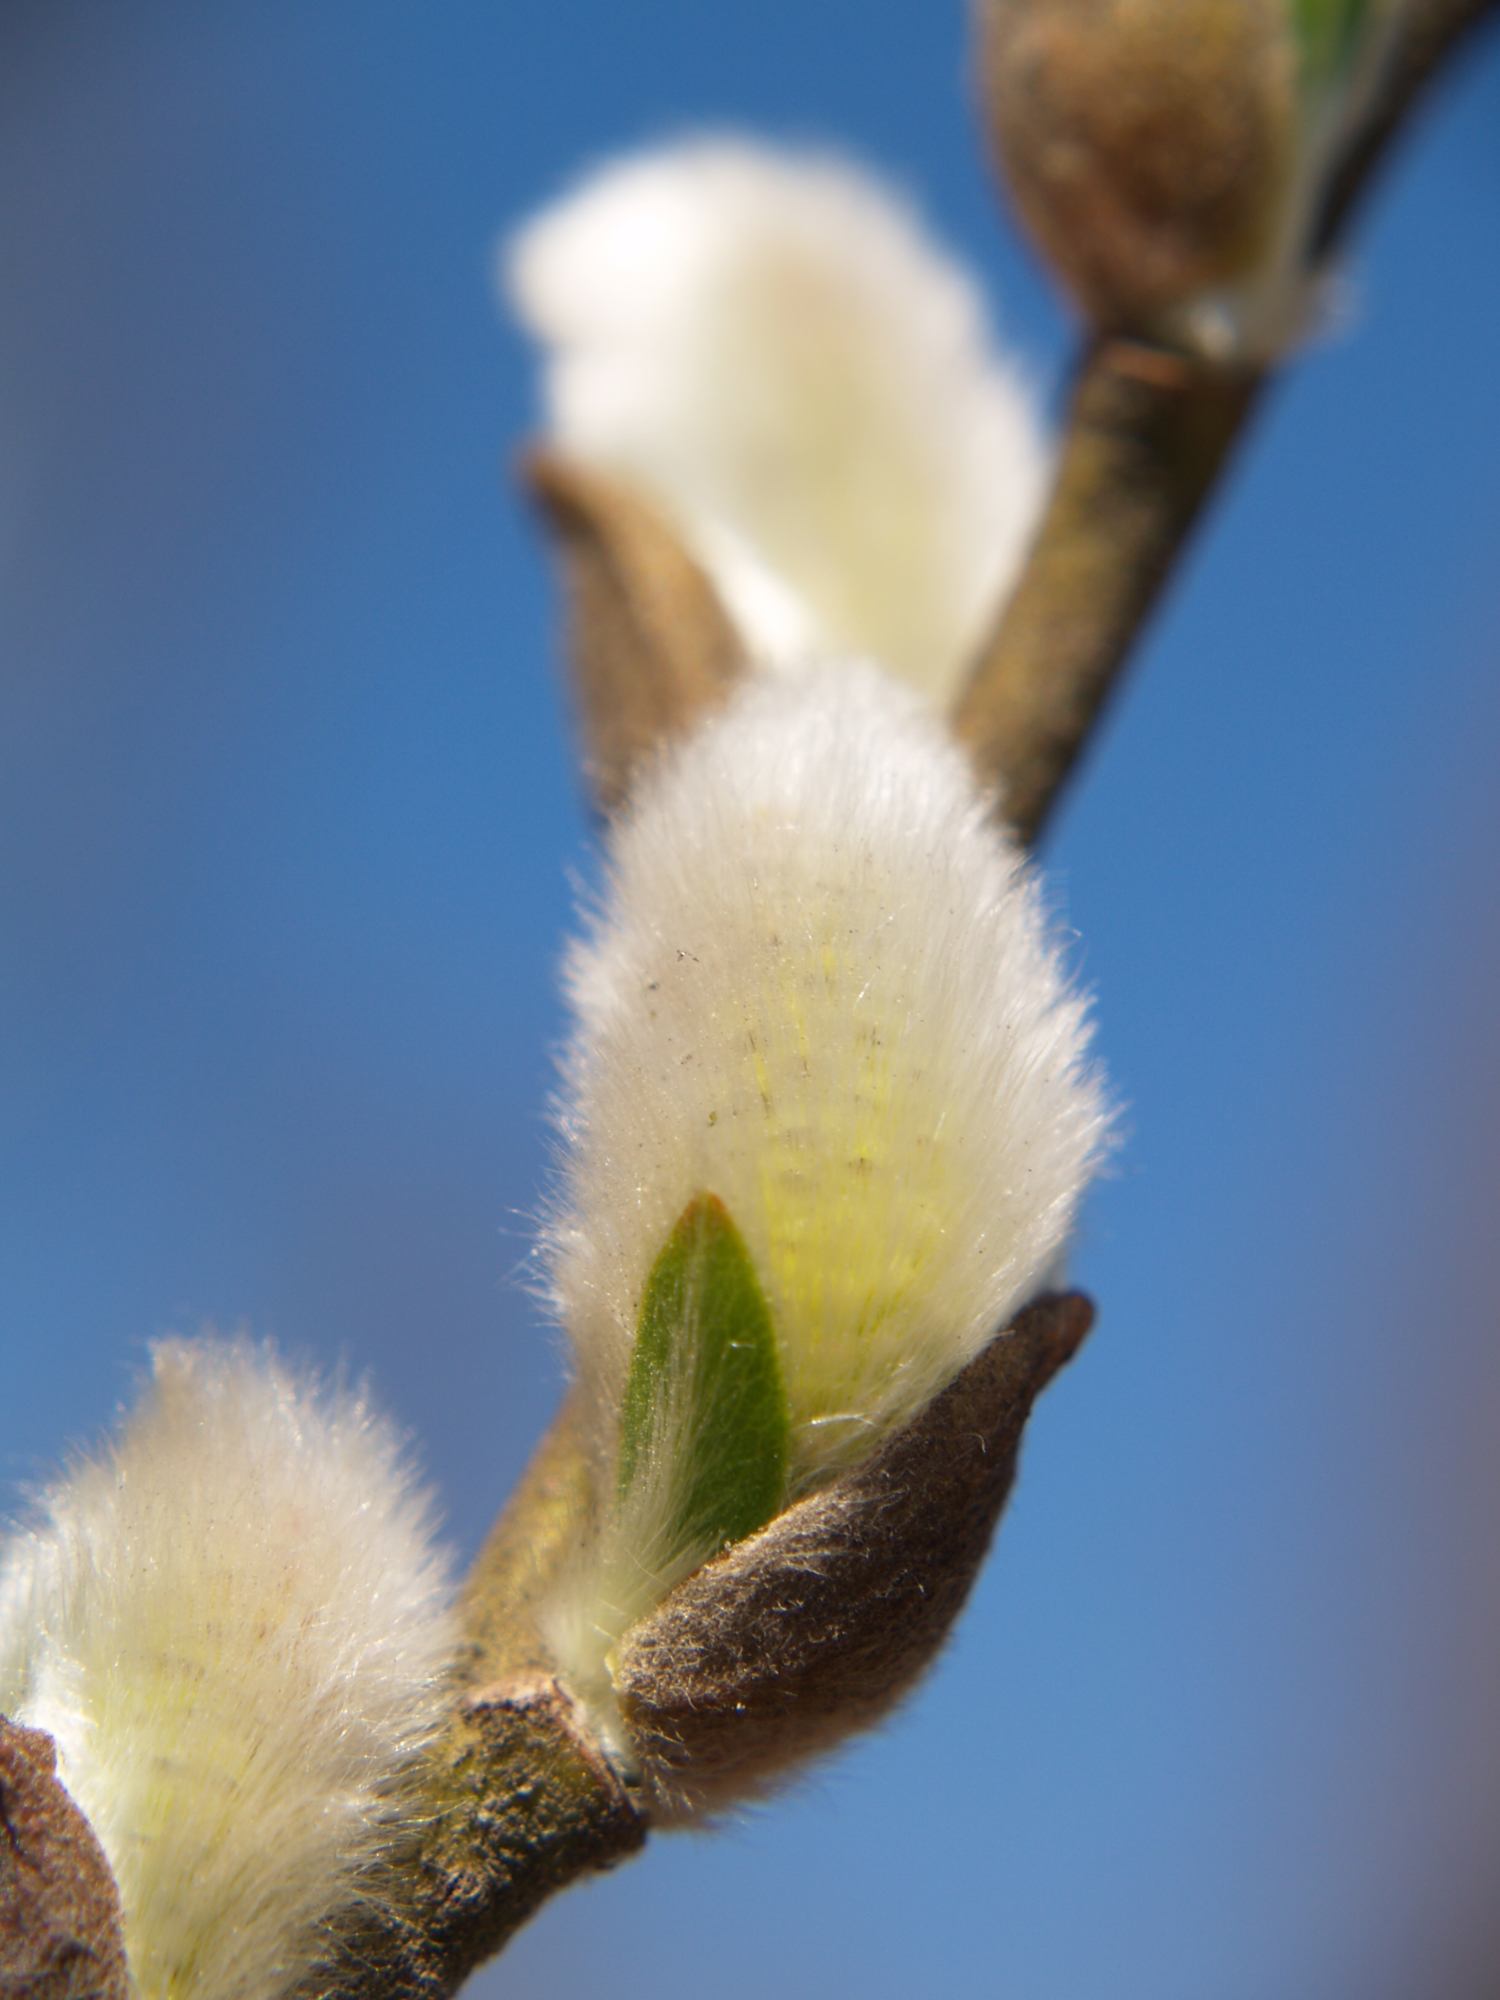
[518, 1800]
[1146, 439]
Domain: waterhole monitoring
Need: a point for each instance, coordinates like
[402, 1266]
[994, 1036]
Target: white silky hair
[820, 984]
[235, 1623]
[771, 346]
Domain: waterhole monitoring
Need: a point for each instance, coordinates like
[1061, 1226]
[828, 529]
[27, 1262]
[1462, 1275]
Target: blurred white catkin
[770, 346]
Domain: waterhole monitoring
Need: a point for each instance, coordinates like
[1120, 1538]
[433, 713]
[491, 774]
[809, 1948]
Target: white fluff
[821, 987]
[234, 1623]
[771, 346]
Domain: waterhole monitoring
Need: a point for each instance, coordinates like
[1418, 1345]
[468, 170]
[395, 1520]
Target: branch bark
[519, 1801]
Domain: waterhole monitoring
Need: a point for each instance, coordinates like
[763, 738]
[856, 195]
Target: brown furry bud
[1146, 142]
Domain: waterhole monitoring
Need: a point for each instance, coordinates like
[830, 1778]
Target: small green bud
[1328, 36]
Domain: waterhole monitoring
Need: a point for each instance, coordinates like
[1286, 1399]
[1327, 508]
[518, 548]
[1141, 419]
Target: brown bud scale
[816, 1626]
[652, 647]
[60, 1927]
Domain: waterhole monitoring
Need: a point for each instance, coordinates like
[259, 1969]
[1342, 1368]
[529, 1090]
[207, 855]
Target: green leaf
[1328, 33]
[705, 1387]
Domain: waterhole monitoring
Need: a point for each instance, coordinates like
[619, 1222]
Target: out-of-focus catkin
[234, 1623]
[769, 348]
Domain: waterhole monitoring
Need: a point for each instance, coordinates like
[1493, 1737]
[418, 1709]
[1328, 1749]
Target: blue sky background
[286, 823]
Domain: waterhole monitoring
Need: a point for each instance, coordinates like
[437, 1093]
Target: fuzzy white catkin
[235, 1624]
[770, 345]
[821, 986]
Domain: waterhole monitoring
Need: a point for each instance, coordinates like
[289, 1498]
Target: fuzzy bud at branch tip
[234, 1625]
[1171, 158]
[829, 1117]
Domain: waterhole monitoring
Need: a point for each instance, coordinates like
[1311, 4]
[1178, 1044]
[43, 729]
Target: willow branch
[519, 1800]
